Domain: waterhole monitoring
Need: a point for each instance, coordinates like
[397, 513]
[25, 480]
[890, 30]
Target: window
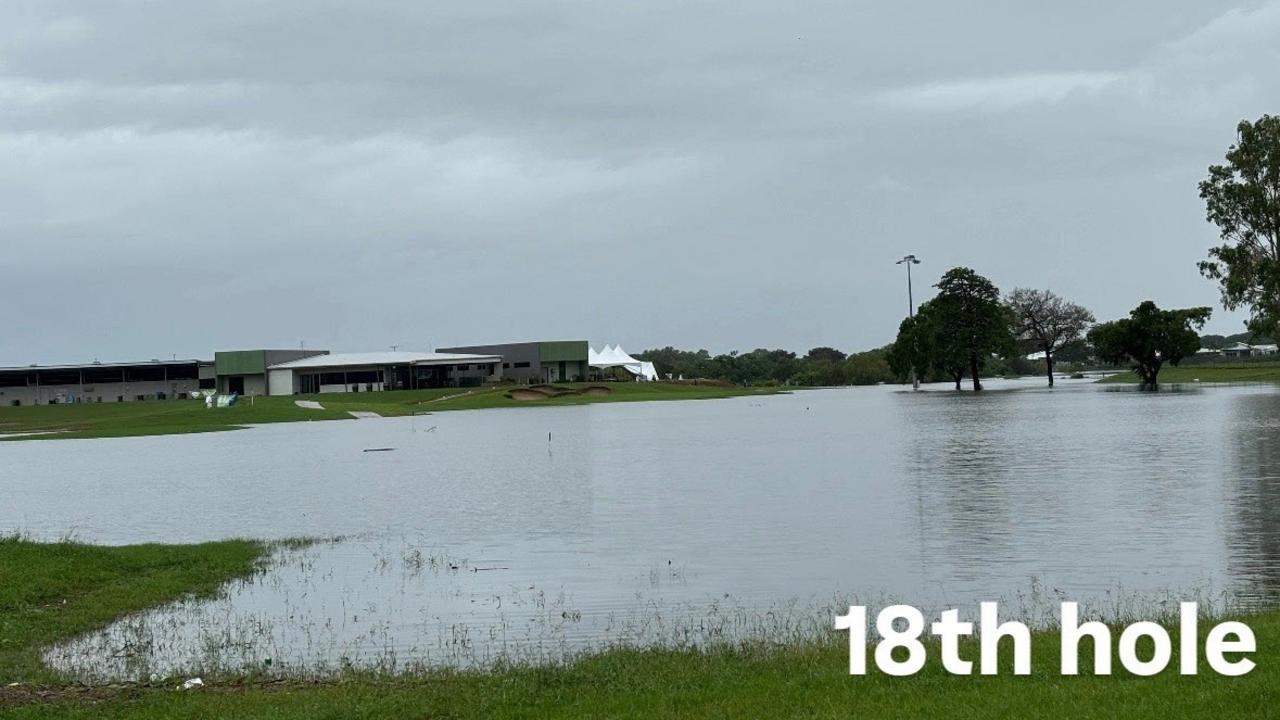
[521, 365]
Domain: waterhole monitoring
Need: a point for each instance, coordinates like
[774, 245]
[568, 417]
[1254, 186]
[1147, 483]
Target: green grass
[1209, 372]
[53, 591]
[190, 416]
[804, 680]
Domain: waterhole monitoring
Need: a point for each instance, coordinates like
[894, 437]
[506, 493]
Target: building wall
[97, 392]
[281, 382]
[569, 350]
[208, 376]
[288, 381]
[476, 373]
[564, 360]
[535, 362]
[239, 362]
[95, 382]
[252, 366]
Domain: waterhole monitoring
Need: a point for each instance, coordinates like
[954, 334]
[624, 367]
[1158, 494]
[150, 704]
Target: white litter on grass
[191, 684]
[363, 414]
[308, 404]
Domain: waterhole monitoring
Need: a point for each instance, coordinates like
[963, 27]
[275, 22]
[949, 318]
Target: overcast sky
[179, 177]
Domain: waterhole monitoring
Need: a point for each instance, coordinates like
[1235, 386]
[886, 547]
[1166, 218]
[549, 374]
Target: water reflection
[671, 522]
[1252, 495]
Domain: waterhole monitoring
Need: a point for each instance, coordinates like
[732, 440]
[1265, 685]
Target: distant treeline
[1217, 342]
[826, 366]
[821, 366]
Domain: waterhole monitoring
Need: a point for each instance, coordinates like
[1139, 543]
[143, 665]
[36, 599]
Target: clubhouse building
[293, 372]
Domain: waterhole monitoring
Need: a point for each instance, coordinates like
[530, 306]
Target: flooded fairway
[529, 533]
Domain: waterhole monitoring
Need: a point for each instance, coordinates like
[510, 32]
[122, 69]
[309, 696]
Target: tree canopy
[1242, 197]
[923, 345]
[971, 321]
[1047, 322]
[955, 333]
[1150, 337]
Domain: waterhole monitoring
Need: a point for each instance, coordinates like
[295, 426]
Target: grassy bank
[190, 416]
[796, 681]
[1215, 372]
[53, 591]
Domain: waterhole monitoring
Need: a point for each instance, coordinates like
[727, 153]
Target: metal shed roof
[378, 359]
[97, 365]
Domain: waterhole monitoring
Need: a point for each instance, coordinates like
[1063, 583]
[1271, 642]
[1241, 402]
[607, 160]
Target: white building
[373, 372]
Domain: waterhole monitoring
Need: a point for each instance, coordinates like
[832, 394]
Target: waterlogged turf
[167, 417]
[808, 681]
[54, 591]
[1209, 373]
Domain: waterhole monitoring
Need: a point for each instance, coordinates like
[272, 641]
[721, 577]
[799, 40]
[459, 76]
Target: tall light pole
[910, 260]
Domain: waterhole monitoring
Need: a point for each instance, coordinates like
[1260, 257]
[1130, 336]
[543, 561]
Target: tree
[867, 368]
[971, 320]
[924, 344]
[1242, 198]
[825, 354]
[912, 348]
[1047, 321]
[821, 367]
[1213, 342]
[1148, 338]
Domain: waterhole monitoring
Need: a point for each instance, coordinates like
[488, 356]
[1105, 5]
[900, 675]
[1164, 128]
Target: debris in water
[378, 449]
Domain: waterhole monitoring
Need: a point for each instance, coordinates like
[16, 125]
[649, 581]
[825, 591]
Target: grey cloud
[192, 175]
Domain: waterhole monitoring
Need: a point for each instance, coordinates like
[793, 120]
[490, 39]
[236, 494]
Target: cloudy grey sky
[177, 177]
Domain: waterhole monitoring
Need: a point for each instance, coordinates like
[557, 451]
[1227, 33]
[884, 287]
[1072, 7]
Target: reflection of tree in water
[961, 460]
[1253, 498]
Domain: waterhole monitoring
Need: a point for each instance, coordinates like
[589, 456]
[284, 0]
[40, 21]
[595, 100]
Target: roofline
[519, 342]
[93, 365]
[318, 352]
[312, 363]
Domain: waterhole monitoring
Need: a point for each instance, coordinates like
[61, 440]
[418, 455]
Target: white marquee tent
[615, 356]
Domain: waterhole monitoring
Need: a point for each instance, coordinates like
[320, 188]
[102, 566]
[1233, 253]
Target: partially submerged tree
[910, 349]
[923, 344]
[971, 320]
[1047, 322]
[1242, 198]
[1148, 338]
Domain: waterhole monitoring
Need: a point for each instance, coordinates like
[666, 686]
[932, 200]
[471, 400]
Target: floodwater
[529, 533]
